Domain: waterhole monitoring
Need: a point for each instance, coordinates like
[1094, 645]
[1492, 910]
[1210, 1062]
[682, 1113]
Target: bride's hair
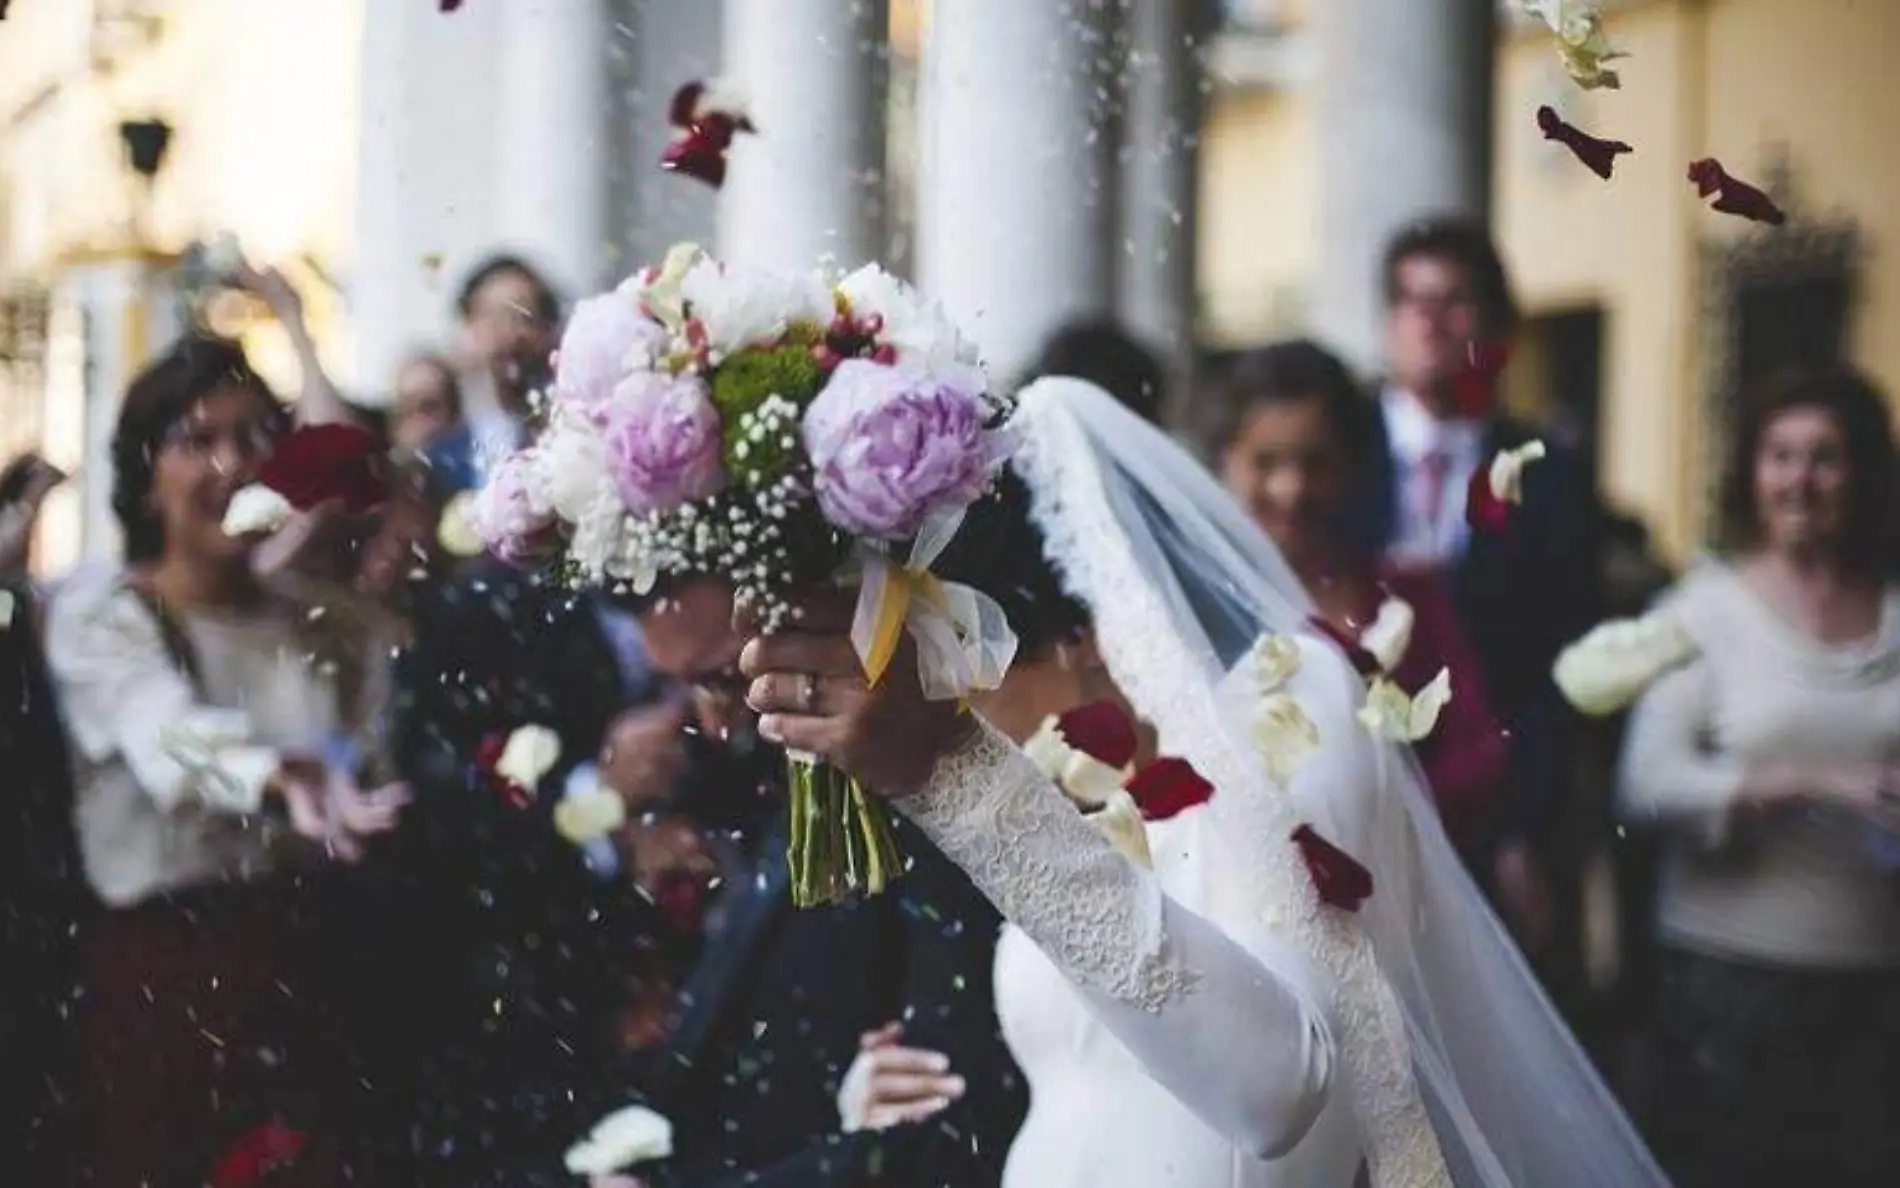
[1000, 551]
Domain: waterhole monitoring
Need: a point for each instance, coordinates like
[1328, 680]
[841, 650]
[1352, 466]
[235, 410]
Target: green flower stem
[840, 844]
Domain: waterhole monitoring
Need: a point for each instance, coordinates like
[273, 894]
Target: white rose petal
[1047, 749]
[256, 509]
[7, 606]
[1080, 775]
[1285, 735]
[1390, 713]
[1507, 470]
[622, 1139]
[530, 753]
[1120, 821]
[1276, 659]
[584, 816]
[1610, 667]
[456, 533]
[1390, 635]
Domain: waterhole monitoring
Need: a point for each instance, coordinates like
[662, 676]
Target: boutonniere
[1089, 753]
[514, 765]
[708, 118]
[622, 1140]
[1610, 667]
[310, 466]
[1389, 711]
[1499, 487]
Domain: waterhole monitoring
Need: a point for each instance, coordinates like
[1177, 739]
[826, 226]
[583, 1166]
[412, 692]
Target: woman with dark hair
[1297, 452]
[205, 710]
[1772, 761]
[1218, 997]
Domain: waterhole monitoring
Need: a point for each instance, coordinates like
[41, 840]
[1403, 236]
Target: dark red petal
[1101, 730]
[679, 112]
[1476, 384]
[448, 5]
[323, 462]
[1732, 195]
[1167, 788]
[488, 752]
[257, 1153]
[683, 900]
[1597, 154]
[1362, 660]
[1484, 511]
[701, 153]
[1341, 882]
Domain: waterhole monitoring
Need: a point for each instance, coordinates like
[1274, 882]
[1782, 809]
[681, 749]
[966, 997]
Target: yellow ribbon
[964, 643]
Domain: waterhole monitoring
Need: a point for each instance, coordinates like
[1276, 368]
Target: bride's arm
[1237, 1034]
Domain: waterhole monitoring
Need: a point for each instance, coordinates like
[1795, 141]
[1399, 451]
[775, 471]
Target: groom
[773, 1016]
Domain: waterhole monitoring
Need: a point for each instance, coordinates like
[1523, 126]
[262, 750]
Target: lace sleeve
[1238, 1035]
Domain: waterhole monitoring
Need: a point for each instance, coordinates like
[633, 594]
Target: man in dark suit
[774, 1015]
[1522, 594]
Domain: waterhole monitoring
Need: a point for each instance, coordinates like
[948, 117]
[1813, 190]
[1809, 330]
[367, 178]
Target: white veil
[1181, 585]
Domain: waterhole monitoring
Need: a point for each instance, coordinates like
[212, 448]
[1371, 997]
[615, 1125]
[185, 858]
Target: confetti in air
[1597, 154]
[708, 119]
[1732, 195]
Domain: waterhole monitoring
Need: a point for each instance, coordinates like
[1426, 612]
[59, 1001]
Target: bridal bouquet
[778, 431]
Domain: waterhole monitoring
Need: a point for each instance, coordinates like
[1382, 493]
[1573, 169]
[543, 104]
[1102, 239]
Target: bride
[1210, 1022]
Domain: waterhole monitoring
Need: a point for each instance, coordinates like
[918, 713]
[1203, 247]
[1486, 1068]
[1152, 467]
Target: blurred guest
[1299, 444]
[24, 485]
[1771, 762]
[1112, 359]
[510, 316]
[427, 402]
[1520, 595]
[202, 708]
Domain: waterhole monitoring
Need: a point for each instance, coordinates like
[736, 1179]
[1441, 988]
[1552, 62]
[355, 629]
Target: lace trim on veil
[1170, 685]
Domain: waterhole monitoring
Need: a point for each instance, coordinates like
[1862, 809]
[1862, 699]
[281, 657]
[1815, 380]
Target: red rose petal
[1361, 659]
[1476, 385]
[1168, 787]
[1103, 731]
[1341, 882]
[322, 462]
[1732, 195]
[1597, 154]
[680, 111]
[682, 898]
[257, 1153]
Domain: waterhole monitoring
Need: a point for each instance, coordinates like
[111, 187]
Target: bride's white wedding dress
[1211, 1024]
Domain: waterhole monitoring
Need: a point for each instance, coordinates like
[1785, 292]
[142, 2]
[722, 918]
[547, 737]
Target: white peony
[1120, 822]
[745, 307]
[1276, 658]
[917, 329]
[1390, 713]
[1610, 667]
[1284, 735]
[529, 754]
[1390, 634]
[256, 509]
[569, 472]
[622, 1139]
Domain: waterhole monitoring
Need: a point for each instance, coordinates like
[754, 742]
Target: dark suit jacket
[499, 958]
[771, 1019]
[1522, 596]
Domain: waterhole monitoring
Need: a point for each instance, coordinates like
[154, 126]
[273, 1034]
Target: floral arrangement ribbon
[964, 641]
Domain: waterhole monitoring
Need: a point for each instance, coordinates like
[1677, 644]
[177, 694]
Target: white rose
[1507, 471]
[744, 307]
[1120, 822]
[256, 509]
[1610, 667]
[1390, 634]
[619, 1141]
[1285, 736]
[1276, 658]
[529, 754]
[918, 330]
[1390, 713]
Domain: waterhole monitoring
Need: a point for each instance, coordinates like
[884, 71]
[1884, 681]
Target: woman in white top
[1212, 1022]
[1772, 760]
[207, 715]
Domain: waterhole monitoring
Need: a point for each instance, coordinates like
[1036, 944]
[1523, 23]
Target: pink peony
[889, 445]
[606, 337]
[510, 519]
[663, 442]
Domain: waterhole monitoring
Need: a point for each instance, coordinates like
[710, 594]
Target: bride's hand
[889, 1085]
[808, 686]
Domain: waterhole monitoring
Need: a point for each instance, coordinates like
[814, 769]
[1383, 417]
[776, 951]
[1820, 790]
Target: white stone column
[1160, 177]
[809, 185]
[1403, 105]
[553, 138]
[1014, 193]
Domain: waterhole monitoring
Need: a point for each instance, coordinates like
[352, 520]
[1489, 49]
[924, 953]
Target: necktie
[1433, 470]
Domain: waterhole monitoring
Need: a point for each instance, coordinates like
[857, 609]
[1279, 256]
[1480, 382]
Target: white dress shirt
[1426, 535]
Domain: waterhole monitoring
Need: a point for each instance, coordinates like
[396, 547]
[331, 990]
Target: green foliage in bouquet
[756, 447]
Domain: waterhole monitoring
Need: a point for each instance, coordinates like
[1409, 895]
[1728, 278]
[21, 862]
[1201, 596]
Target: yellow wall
[1736, 79]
